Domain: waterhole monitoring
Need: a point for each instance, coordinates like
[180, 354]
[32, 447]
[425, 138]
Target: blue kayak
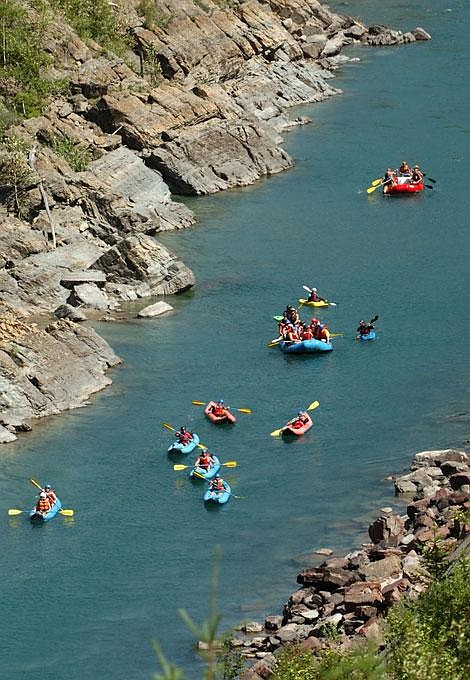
[305, 346]
[218, 497]
[39, 517]
[176, 447]
[201, 473]
[369, 336]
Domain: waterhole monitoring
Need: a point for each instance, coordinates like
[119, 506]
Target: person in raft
[364, 327]
[314, 297]
[219, 409]
[217, 485]
[183, 436]
[416, 174]
[388, 176]
[291, 314]
[50, 493]
[204, 461]
[300, 420]
[404, 168]
[320, 330]
[44, 504]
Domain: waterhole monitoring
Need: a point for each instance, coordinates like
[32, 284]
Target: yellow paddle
[173, 429]
[313, 405]
[63, 511]
[376, 182]
[230, 464]
[203, 403]
[15, 511]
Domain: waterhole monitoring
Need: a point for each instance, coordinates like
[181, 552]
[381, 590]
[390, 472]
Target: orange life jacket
[307, 333]
[218, 411]
[204, 462]
[43, 505]
[217, 485]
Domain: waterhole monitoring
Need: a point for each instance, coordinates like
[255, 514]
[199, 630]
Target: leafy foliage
[76, 155]
[430, 638]
[358, 663]
[24, 84]
[15, 173]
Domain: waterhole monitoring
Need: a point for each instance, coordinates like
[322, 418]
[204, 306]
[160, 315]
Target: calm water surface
[141, 543]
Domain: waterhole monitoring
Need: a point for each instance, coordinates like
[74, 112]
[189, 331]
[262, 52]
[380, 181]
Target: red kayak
[297, 428]
[228, 416]
[403, 185]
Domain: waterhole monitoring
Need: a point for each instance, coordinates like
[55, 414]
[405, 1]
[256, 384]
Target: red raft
[403, 185]
[291, 428]
[228, 416]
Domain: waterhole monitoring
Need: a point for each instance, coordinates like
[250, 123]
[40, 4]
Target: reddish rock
[363, 593]
[387, 529]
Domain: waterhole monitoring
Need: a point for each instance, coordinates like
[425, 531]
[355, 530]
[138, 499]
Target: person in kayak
[314, 297]
[50, 493]
[404, 168]
[217, 485]
[183, 436]
[364, 327]
[43, 505]
[416, 175]
[204, 461]
[219, 408]
[300, 420]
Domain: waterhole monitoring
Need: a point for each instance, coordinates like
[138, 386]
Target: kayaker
[404, 168]
[204, 461]
[417, 175]
[217, 484]
[219, 408]
[183, 436]
[364, 327]
[314, 297]
[43, 505]
[300, 420]
[50, 493]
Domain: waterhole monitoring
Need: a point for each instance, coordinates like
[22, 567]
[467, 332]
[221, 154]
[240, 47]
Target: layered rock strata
[350, 594]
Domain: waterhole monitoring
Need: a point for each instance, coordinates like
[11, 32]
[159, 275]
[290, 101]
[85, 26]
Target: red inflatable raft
[403, 185]
[301, 429]
[228, 416]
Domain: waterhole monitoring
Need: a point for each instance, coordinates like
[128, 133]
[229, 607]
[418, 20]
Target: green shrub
[76, 155]
[430, 638]
[361, 662]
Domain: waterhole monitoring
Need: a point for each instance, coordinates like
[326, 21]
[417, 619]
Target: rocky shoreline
[344, 598]
[77, 242]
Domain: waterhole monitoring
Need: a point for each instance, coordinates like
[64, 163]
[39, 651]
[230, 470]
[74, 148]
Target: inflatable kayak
[228, 416]
[319, 303]
[289, 428]
[218, 497]
[305, 346]
[176, 447]
[403, 185]
[201, 473]
[369, 336]
[39, 517]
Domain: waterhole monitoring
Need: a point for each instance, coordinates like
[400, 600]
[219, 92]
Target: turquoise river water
[82, 598]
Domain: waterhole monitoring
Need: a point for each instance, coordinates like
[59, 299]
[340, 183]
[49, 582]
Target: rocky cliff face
[196, 105]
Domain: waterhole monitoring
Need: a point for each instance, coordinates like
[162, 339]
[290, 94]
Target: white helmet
[43, 495]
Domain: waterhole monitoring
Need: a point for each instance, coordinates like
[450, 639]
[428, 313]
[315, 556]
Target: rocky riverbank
[344, 598]
[197, 105]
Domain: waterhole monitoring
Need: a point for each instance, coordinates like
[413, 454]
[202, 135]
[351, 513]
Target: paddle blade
[313, 405]
[276, 433]
[245, 410]
[374, 319]
[332, 304]
[67, 513]
[168, 426]
[202, 446]
[371, 189]
[376, 182]
[33, 481]
[180, 467]
[198, 403]
[14, 511]
[278, 318]
[429, 186]
[231, 464]
[336, 335]
[309, 290]
[198, 474]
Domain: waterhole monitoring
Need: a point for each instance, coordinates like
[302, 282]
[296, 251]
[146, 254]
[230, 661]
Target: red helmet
[314, 320]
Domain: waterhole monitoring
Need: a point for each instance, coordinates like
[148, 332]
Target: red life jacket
[217, 485]
[204, 462]
[218, 411]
